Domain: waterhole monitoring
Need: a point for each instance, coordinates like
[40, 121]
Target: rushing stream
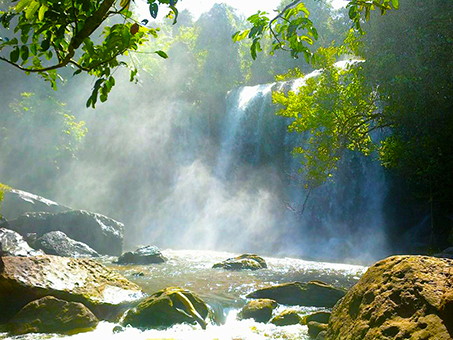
[223, 290]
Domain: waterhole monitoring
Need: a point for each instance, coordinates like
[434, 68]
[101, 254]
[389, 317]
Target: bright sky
[247, 7]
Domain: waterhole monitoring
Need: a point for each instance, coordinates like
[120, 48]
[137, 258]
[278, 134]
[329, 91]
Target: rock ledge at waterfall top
[401, 297]
[103, 234]
[105, 292]
[313, 293]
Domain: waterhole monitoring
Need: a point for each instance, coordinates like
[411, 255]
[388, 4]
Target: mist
[187, 163]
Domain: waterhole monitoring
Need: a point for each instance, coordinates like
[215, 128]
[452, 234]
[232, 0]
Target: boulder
[244, 261]
[12, 244]
[286, 318]
[259, 310]
[143, 255]
[314, 328]
[17, 202]
[105, 292]
[52, 315]
[166, 308]
[101, 233]
[322, 317]
[401, 297]
[313, 293]
[57, 243]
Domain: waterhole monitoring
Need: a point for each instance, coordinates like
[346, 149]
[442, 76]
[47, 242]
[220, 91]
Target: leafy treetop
[52, 34]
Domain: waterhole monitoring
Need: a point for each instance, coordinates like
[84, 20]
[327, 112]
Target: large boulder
[322, 317]
[13, 244]
[17, 202]
[103, 234]
[401, 297]
[143, 255]
[259, 310]
[313, 293]
[244, 261]
[24, 279]
[168, 307]
[287, 317]
[57, 243]
[52, 315]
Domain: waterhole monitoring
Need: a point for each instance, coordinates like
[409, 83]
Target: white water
[223, 290]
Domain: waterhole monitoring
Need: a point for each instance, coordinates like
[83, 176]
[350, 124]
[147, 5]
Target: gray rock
[52, 315]
[244, 261]
[12, 244]
[17, 202]
[57, 243]
[103, 234]
[313, 293]
[143, 255]
[259, 310]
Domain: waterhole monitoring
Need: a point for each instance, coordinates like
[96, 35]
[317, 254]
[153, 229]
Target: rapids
[223, 290]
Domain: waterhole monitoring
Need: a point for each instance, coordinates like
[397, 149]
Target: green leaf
[45, 44]
[14, 55]
[153, 9]
[22, 4]
[42, 10]
[162, 54]
[395, 4]
[24, 52]
[31, 9]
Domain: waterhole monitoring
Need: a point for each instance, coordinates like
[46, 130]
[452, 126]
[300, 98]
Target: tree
[50, 35]
[293, 31]
[337, 112]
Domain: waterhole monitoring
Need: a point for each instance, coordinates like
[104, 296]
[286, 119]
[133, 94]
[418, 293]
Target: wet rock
[52, 315]
[260, 310]
[168, 307]
[313, 293]
[321, 335]
[17, 202]
[314, 328]
[446, 253]
[143, 255]
[57, 243]
[287, 317]
[244, 261]
[105, 292]
[401, 297]
[322, 317]
[101, 233]
[12, 244]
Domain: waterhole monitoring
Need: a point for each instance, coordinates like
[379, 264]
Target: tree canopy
[48, 35]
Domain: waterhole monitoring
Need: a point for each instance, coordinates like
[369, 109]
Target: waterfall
[344, 216]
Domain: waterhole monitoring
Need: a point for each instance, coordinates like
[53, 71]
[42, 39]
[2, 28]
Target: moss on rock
[401, 297]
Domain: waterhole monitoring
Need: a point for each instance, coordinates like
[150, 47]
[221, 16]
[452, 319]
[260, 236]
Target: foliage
[292, 30]
[412, 72]
[3, 188]
[336, 110]
[43, 128]
[50, 34]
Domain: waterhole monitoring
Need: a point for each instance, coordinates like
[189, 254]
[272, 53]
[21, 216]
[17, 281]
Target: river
[223, 290]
